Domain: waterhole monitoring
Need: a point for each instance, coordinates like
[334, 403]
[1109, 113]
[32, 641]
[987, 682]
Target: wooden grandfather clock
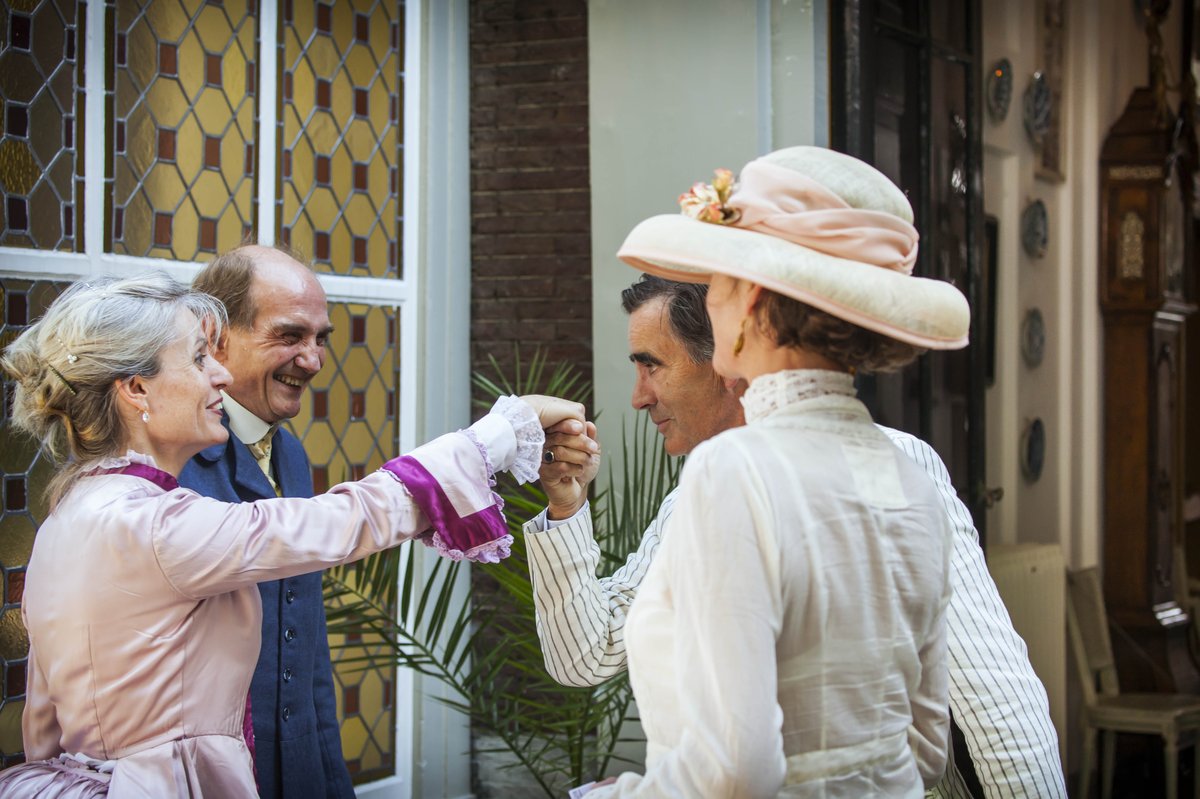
[1147, 256]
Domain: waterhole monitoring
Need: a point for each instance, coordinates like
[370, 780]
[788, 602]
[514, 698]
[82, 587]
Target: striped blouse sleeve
[996, 698]
[581, 617]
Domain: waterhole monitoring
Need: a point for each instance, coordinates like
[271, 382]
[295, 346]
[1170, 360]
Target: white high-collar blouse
[789, 638]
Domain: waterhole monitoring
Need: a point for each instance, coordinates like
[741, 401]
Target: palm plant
[486, 651]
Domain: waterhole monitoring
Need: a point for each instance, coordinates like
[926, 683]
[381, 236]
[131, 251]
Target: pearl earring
[146, 416]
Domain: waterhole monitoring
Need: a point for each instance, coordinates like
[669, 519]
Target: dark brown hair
[230, 276]
[685, 310]
[795, 324]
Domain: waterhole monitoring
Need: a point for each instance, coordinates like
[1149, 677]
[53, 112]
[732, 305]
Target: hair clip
[65, 381]
[71, 357]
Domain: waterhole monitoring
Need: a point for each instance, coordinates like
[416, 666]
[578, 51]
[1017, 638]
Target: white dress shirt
[789, 639]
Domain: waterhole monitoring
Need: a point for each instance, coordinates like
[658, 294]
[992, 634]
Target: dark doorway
[910, 75]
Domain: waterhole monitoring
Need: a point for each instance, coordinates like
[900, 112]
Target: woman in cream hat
[789, 638]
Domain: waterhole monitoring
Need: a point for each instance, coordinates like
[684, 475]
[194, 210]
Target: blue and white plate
[1033, 338]
[1033, 450]
[1035, 229]
[999, 89]
[1039, 106]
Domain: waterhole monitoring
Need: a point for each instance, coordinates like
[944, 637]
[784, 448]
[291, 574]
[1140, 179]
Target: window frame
[432, 297]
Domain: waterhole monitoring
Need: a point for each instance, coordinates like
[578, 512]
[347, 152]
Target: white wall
[1105, 58]
[678, 89]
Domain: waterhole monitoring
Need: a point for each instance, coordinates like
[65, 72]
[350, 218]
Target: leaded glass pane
[182, 126]
[24, 474]
[41, 125]
[347, 423]
[341, 145]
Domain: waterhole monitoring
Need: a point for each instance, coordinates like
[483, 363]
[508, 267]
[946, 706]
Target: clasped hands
[572, 440]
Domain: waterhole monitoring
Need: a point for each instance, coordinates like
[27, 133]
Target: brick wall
[530, 203]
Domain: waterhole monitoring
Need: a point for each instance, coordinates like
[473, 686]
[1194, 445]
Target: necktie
[261, 450]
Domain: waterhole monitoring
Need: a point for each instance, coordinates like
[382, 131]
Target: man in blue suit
[274, 346]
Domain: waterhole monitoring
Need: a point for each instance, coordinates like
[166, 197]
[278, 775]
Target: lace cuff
[492, 551]
[530, 436]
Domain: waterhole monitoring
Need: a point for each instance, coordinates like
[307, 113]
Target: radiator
[1031, 579]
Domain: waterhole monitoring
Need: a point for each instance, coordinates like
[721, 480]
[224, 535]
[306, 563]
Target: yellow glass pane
[338, 105]
[141, 60]
[212, 27]
[192, 65]
[41, 125]
[167, 19]
[185, 111]
[359, 358]
[16, 539]
[10, 726]
[14, 642]
[319, 443]
[18, 168]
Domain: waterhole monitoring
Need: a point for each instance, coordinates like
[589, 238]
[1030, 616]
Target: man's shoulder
[903, 440]
[667, 506]
[206, 463]
[288, 445]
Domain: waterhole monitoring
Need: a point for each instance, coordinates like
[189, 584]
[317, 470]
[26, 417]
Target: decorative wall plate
[999, 89]
[1033, 338]
[1033, 450]
[1035, 229]
[1039, 103]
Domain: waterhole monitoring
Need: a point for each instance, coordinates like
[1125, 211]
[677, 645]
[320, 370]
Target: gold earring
[741, 339]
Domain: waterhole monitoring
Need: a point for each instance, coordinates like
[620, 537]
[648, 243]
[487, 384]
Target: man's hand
[552, 410]
[575, 464]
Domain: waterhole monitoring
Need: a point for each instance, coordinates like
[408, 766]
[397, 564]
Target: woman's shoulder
[730, 453]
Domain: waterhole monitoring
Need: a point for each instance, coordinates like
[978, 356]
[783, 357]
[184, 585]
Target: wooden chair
[1173, 717]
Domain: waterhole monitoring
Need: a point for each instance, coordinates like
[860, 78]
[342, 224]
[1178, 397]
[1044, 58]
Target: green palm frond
[486, 651]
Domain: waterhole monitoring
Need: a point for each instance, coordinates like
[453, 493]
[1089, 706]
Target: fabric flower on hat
[709, 202]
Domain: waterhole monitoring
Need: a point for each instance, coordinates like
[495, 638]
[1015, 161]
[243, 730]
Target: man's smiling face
[273, 360]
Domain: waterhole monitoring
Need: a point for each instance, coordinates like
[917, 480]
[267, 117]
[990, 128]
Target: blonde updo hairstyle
[67, 364]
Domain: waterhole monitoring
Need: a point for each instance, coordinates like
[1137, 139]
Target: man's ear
[220, 347]
[133, 390]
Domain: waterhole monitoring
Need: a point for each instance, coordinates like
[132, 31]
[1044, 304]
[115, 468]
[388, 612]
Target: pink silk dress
[144, 619]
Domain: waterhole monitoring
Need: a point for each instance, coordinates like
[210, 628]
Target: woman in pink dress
[140, 596]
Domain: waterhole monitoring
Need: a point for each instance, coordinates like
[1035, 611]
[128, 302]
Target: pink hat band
[777, 201]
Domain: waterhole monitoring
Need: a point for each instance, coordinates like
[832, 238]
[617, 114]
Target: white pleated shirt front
[789, 638]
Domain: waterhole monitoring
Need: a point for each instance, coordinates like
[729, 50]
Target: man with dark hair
[996, 699]
[274, 346]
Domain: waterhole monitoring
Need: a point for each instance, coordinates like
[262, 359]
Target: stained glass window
[179, 131]
[348, 426]
[340, 134]
[182, 127]
[41, 125]
[25, 473]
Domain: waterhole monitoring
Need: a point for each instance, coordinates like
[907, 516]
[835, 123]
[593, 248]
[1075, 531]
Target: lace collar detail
[134, 464]
[773, 392]
[130, 458]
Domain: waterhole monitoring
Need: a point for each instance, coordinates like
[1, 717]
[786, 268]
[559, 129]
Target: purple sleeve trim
[466, 535]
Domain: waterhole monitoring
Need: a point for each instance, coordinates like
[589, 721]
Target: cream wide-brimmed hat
[815, 225]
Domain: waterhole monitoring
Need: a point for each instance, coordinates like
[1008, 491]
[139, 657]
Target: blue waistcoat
[298, 749]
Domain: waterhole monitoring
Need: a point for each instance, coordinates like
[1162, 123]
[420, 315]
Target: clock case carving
[1147, 287]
